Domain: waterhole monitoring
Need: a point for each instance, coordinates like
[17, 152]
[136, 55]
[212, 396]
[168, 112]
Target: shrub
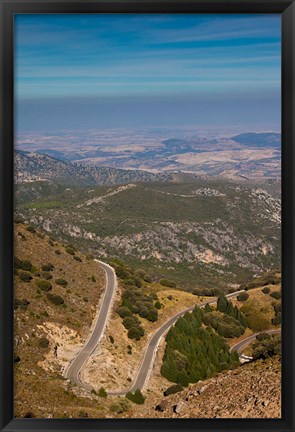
[130, 321]
[31, 229]
[168, 283]
[277, 320]
[85, 299]
[142, 310]
[26, 265]
[70, 245]
[147, 278]
[135, 332]
[266, 290]
[89, 257]
[170, 297]
[61, 281]
[25, 276]
[124, 311]
[263, 336]
[120, 407]
[17, 263]
[102, 393]
[243, 296]
[276, 294]
[173, 389]
[93, 278]
[70, 250]
[267, 348]
[46, 275]
[152, 315]
[137, 282]
[43, 343]
[77, 258]
[47, 267]
[57, 251]
[158, 305]
[55, 299]
[44, 285]
[140, 273]
[112, 340]
[121, 272]
[136, 397]
[23, 304]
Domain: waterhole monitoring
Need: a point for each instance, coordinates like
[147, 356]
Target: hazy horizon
[110, 70]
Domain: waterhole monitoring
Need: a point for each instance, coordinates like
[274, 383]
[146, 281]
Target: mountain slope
[34, 166]
[251, 391]
[209, 232]
[54, 309]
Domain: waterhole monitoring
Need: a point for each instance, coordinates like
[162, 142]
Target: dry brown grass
[259, 309]
[36, 390]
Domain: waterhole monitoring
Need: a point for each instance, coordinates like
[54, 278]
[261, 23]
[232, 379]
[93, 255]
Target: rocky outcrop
[250, 391]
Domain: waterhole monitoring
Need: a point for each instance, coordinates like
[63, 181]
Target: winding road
[245, 342]
[149, 356]
[73, 371]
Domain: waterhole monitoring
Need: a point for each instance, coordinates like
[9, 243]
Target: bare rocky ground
[251, 391]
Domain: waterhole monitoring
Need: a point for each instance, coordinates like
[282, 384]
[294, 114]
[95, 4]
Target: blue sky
[147, 70]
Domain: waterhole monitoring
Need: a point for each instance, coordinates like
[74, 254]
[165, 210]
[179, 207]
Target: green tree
[243, 297]
[136, 397]
[158, 305]
[102, 393]
[135, 332]
[222, 303]
[183, 378]
[124, 312]
[152, 315]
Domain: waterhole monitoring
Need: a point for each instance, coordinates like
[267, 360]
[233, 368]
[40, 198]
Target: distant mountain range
[31, 167]
[261, 140]
[247, 155]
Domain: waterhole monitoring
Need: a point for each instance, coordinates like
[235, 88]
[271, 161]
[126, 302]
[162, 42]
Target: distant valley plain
[246, 155]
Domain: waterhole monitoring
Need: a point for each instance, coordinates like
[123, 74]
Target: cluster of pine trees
[224, 305]
[193, 352]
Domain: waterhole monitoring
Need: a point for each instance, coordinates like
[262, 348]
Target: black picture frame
[287, 10]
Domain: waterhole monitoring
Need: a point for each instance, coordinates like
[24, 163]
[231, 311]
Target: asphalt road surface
[73, 371]
[149, 356]
[240, 346]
